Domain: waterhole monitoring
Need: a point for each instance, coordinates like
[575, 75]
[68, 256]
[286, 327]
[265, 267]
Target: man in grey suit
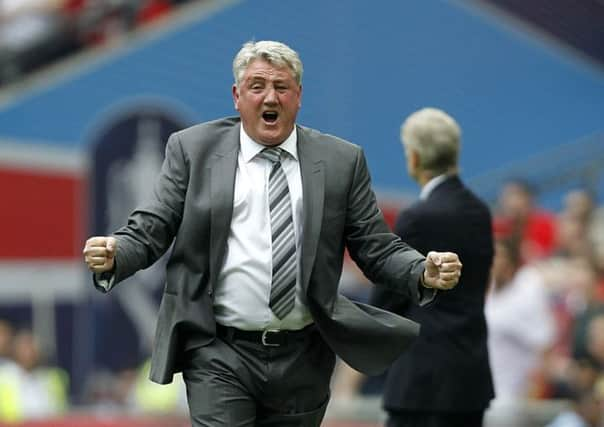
[260, 210]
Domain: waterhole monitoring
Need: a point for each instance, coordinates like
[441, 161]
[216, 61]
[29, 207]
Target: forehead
[260, 68]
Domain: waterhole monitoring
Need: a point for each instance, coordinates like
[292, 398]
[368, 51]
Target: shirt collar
[431, 185]
[250, 148]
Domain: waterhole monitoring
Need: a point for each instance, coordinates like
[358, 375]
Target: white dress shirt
[244, 283]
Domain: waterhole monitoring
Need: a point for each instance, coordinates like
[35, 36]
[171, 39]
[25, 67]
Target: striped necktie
[284, 272]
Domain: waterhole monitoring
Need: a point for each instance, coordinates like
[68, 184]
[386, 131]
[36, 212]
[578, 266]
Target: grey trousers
[236, 383]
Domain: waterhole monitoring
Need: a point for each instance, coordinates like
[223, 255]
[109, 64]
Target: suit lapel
[222, 187]
[313, 187]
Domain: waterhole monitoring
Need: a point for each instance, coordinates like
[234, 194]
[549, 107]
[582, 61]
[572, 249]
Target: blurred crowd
[34, 33]
[545, 306]
[32, 388]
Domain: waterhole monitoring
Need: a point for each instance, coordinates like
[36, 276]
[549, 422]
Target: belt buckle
[265, 334]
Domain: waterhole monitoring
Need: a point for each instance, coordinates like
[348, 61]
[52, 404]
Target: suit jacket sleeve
[152, 227]
[382, 256]
[386, 298]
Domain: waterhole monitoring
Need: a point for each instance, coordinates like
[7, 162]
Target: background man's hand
[442, 270]
[99, 254]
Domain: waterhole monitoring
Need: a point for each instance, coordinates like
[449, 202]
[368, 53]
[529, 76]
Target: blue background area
[367, 66]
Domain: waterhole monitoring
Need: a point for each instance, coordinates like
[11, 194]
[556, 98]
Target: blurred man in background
[424, 386]
[260, 211]
[6, 342]
[518, 217]
[30, 389]
[521, 323]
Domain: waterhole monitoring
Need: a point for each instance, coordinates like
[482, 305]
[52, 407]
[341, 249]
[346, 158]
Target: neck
[424, 177]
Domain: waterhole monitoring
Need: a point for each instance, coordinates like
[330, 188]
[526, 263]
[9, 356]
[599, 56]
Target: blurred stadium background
[91, 89]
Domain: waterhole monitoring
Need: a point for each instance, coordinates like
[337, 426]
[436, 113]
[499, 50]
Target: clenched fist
[99, 254]
[443, 270]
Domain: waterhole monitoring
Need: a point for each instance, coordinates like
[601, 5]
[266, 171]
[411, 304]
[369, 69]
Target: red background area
[41, 214]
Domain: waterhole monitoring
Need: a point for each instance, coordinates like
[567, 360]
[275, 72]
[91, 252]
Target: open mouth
[270, 116]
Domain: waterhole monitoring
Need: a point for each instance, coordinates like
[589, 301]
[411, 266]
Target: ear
[235, 97]
[300, 96]
[414, 159]
[412, 162]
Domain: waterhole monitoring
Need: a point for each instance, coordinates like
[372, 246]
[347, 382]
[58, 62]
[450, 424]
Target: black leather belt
[268, 337]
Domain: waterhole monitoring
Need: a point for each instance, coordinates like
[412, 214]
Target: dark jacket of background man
[446, 370]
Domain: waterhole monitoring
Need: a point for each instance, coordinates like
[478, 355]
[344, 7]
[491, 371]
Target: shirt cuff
[104, 281]
[425, 295]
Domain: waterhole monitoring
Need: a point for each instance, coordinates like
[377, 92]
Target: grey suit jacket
[192, 208]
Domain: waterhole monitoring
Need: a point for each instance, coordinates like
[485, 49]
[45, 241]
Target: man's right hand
[99, 253]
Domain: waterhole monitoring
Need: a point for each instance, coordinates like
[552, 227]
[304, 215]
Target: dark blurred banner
[578, 24]
[127, 151]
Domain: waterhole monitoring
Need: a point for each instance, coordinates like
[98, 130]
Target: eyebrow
[262, 77]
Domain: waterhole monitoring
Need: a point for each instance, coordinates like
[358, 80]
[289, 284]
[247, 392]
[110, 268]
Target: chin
[272, 139]
[271, 142]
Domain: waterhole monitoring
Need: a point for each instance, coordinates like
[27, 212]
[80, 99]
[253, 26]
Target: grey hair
[275, 53]
[435, 136]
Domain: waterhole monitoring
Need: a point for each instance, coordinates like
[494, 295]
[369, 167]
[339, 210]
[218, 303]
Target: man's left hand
[443, 270]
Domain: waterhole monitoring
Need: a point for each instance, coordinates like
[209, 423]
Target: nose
[271, 96]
